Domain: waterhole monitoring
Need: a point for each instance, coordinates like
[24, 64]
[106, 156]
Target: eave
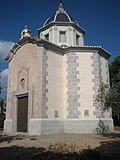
[33, 40]
[50, 46]
[98, 49]
[61, 24]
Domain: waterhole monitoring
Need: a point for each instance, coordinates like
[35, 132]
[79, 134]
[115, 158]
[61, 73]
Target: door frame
[16, 96]
[22, 114]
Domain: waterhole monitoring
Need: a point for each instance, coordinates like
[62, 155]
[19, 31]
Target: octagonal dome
[61, 16]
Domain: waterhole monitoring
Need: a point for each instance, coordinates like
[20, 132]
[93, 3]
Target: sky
[100, 19]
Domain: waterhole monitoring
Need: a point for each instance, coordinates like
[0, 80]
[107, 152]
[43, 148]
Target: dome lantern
[26, 32]
[61, 8]
[61, 29]
[61, 16]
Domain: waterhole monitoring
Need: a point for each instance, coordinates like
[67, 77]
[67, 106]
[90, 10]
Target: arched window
[22, 83]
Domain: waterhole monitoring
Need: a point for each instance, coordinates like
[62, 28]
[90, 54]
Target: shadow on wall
[102, 128]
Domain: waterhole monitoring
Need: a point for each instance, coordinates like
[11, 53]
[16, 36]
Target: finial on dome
[60, 1]
[25, 26]
[25, 32]
[61, 8]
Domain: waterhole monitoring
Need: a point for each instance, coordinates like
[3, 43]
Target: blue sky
[100, 19]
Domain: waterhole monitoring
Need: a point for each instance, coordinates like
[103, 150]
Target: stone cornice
[98, 49]
[59, 50]
[18, 45]
[61, 24]
[33, 40]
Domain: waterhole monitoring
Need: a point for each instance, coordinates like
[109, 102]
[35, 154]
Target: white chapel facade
[53, 80]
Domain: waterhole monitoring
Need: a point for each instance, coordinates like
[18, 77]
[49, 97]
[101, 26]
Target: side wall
[55, 79]
[84, 71]
[80, 85]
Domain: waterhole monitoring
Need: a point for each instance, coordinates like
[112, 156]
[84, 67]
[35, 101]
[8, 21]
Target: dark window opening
[77, 39]
[62, 36]
[47, 37]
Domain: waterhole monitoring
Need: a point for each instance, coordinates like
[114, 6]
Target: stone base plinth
[70, 126]
[88, 126]
[8, 125]
[46, 127]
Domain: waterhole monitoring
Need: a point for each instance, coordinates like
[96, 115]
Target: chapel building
[53, 80]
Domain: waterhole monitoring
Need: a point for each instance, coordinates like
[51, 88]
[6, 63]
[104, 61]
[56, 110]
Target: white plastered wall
[71, 33]
[86, 84]
[55, 85]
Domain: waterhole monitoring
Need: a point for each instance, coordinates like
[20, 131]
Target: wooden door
[22, 114]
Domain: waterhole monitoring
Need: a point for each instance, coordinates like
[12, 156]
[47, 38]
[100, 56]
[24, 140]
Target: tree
[110, 97]
[1, 105]
[112, 100]
[101, 97]
[114, 94]
[115, 72]
[0, 82]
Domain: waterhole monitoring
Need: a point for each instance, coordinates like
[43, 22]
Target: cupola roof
[61, 16]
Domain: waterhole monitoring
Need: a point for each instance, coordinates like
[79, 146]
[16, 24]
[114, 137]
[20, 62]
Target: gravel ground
[18, 146]
[79, 141]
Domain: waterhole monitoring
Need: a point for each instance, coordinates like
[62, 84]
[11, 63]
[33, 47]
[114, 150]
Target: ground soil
[24, 147]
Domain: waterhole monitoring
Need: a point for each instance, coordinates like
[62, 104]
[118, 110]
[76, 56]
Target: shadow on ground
[111, 149]
[21, 153]
[10, 138]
